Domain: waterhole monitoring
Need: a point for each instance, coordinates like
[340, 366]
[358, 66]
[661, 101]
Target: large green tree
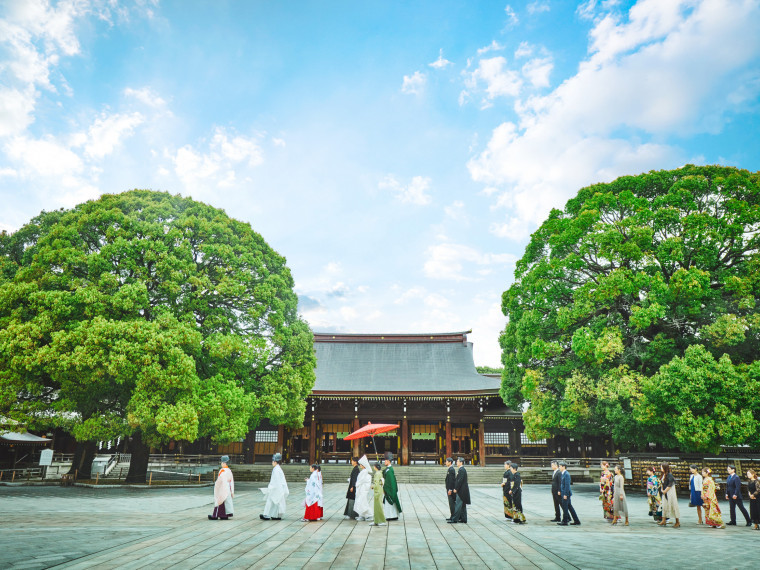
[151, 316]
[634, 312]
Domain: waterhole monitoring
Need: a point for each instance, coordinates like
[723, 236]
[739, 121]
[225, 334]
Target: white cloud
[487, 325]
[538, 6]
[447, 261]
[225, 153]
[456, 211]
[499, 81]
[493, 46]
[525, 49]
[33, 37]
[146, 96]
[107, 132]
[537, 71]
[413, 193]
[668, 70]
[414, 84]
[441, 62]
[512, 19]
[45, 157]
[16, 110]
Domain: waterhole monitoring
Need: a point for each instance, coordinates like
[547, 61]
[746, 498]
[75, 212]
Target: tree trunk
[138, 466]
[82, 462]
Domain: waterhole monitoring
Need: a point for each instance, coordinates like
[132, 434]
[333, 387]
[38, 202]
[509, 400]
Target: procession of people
[373, 494]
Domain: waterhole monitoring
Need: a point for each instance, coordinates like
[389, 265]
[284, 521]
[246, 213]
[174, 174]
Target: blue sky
[399, 154]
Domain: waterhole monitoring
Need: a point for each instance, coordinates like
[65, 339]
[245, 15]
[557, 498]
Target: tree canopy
[149, 315]
[634, 312]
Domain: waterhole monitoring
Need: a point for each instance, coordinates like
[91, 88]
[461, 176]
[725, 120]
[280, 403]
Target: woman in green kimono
[377, 487]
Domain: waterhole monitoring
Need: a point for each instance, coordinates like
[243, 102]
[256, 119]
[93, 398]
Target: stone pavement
[44, 527]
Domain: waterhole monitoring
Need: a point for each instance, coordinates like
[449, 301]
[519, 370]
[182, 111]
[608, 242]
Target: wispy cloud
[416, 192]
[458, 262]
[441, 62]
[414, 84]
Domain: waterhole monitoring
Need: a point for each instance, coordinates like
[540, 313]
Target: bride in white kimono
[363, 503]
[276, 492]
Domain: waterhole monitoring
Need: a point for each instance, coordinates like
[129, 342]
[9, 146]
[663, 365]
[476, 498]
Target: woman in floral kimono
[606, 483]
[313, 500]
[713, 517]
[653, 494]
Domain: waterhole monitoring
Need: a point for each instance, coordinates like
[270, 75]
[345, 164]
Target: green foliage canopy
[150, 314]
[634, 312]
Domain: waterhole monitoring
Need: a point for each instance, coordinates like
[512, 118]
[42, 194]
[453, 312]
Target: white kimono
[363, 505]
[224, 488]
[314, 490]
[276, 493]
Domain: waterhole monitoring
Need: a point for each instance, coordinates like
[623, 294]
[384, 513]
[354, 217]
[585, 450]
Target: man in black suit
[567, 492]
[451, 476]
[556, 495]
[462, 492]
[734, 495]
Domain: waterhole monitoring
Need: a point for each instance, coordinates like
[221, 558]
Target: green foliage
[488, 370]
[614, 295]
[150, 314]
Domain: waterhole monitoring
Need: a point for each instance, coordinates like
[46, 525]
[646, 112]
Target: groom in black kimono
[462, 491]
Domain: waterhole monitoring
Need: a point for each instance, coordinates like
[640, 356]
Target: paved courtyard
[45, 527]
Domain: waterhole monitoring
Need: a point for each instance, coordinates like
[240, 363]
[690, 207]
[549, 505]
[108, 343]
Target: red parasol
[369, 431]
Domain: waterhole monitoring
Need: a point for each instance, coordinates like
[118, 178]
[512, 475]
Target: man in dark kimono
[556, 494]
[462, 491]
[506, 485]
[516, 491]
[391, 504]
[349, 513]
[451, 476]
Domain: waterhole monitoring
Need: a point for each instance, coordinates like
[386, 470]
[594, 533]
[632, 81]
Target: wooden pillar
[404, 442]
[449, 449]
[448, 439]
[249, 447]
[281, 440]
[355, 443]
[482, 442]
[313, 441]
[355, 425]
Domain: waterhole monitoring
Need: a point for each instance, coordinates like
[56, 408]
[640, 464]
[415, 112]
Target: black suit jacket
[556, 481]
[461, 486]
[451, 476]
[352, 484]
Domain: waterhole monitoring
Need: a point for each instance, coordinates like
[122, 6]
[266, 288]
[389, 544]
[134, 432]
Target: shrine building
[425, 383]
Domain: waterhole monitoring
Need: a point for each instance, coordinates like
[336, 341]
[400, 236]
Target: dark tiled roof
[382, 367]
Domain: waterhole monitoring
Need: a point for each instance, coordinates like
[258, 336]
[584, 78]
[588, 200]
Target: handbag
[691, 505]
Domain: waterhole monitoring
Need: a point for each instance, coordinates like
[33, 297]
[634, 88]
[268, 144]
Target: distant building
[425, 383]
